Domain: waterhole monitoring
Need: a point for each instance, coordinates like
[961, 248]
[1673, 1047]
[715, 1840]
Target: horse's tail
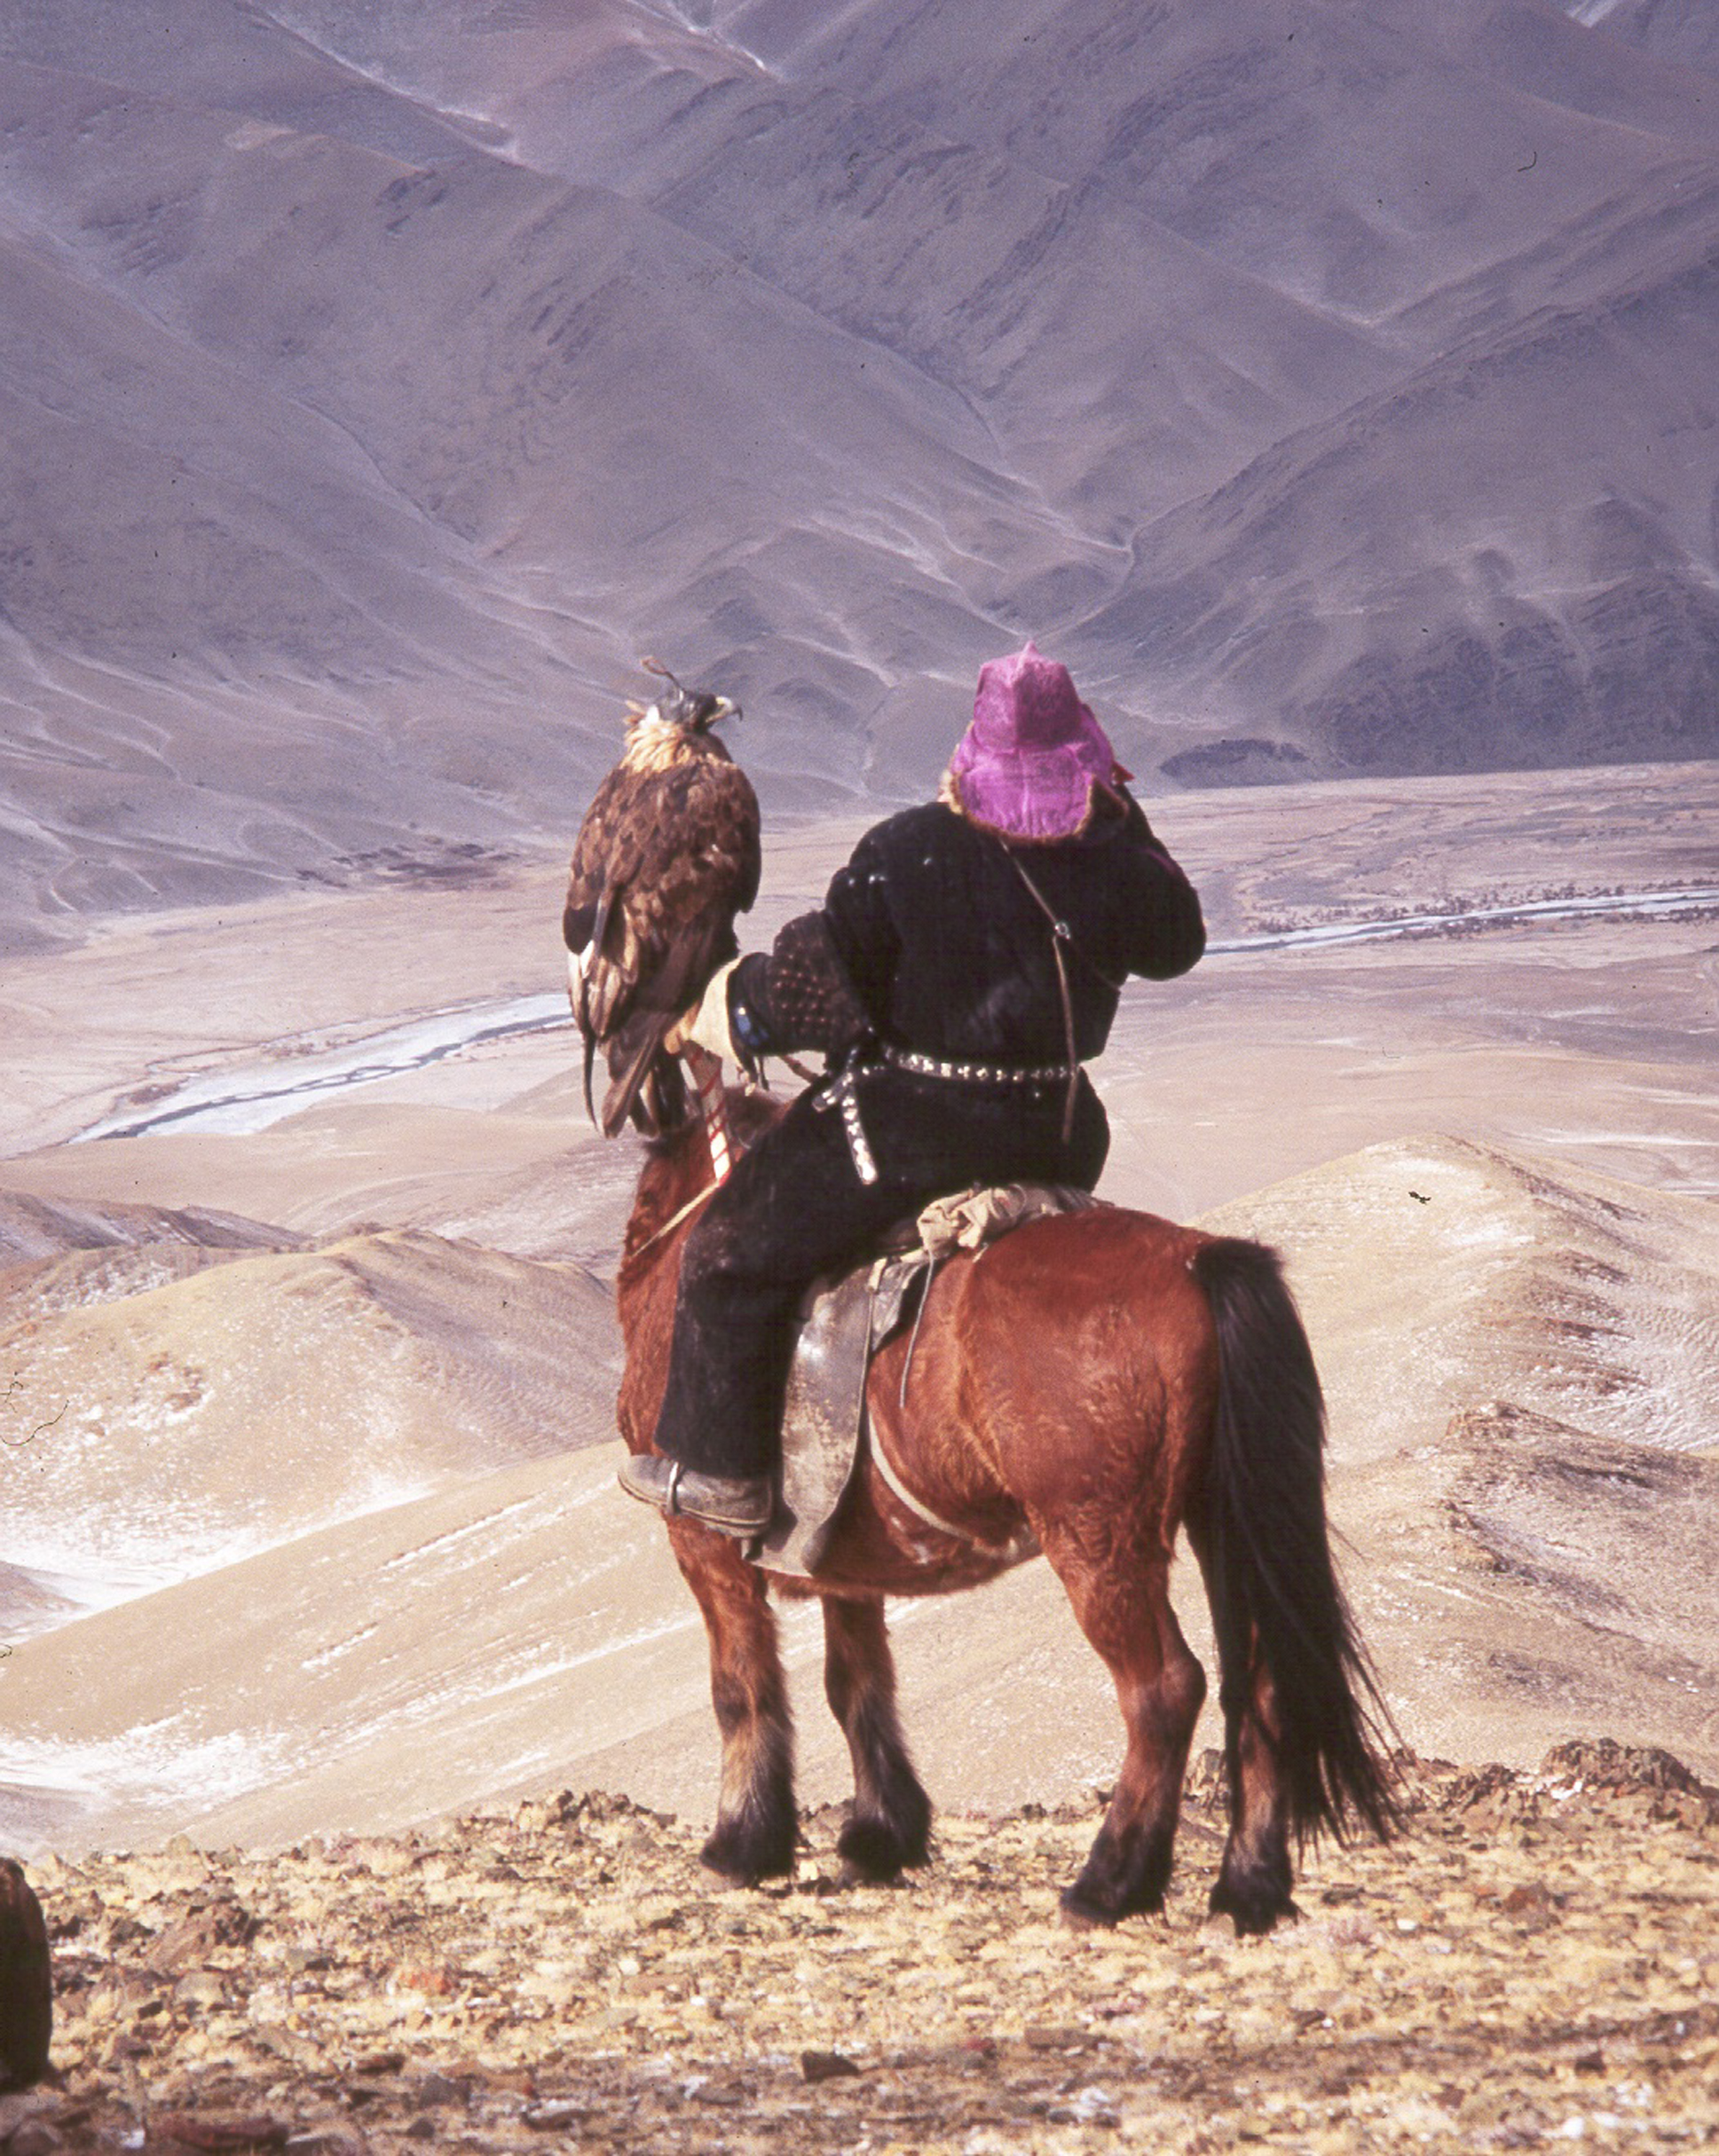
[1273, 1587]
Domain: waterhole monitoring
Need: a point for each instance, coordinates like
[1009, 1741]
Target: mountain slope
[170, 1408]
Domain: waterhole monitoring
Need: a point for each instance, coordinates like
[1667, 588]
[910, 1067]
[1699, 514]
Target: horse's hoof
[730, 1858]
[876, 1855]
[871, 1854]
[1082, 1911]
[1079, 1915]
[727, 1863]
[1252, 1915]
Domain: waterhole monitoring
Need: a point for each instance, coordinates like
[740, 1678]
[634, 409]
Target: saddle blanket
[844, 1322]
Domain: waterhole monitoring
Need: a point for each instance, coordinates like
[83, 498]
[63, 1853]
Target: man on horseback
[965, 964]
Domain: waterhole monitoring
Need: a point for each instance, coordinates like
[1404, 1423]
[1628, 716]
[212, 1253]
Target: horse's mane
[677, 1167]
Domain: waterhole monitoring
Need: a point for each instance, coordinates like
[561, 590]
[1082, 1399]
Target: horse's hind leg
[1254, 1880]
[889, 1828]
[756, 1830]
[1122, 1601]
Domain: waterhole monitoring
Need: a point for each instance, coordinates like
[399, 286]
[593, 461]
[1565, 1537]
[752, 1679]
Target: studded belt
[841, 1092]
[980, 1073]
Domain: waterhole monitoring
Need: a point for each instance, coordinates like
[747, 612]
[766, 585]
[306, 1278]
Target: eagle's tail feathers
[661, 1106]
[630, 1057]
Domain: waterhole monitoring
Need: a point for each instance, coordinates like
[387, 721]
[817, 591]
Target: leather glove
[706, 1023]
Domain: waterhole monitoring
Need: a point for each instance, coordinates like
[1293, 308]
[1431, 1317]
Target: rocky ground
[1536, 1962]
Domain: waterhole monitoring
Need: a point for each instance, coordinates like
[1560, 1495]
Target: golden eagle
[667, 854]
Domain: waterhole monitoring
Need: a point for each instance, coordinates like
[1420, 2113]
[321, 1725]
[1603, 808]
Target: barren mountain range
[1330, 387]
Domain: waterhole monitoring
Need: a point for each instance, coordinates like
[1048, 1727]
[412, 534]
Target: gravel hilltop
[1537, 1963]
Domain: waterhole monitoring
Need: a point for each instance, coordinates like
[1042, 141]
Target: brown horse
[1101, 1379]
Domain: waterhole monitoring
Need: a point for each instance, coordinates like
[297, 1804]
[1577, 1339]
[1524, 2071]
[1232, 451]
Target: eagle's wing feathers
[676, 982]
[665, 860]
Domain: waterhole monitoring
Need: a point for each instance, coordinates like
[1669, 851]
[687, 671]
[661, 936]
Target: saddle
[844, 1321]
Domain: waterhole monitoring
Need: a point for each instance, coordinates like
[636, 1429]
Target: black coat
[947, 951]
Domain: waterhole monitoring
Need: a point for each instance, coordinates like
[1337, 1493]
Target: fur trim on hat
[949, 796]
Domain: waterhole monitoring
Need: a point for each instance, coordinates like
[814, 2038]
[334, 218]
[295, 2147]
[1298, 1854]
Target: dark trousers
[794, 1209]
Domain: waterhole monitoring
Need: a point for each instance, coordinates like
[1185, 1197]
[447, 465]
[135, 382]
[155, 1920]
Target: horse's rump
[1068, 1367]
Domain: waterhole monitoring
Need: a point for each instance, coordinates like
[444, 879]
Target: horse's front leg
[756, 1831]
[889, 1828]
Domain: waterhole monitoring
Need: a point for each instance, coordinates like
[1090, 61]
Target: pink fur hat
[1028, 764]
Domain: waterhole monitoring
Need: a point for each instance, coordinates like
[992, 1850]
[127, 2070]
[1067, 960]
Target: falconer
[963, 965]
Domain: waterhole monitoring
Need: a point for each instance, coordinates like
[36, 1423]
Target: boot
[733, 1504]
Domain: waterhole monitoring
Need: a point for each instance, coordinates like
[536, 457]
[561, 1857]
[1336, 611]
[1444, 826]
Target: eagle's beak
[725, 708]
